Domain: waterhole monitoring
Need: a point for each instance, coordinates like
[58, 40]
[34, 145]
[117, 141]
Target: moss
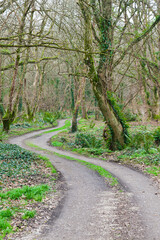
[105, 41]
[119, 115]
[7, 119]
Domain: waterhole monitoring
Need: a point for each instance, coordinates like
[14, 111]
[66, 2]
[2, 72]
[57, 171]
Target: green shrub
[142, 138]
[156, 135]
[96, 151]
[87, 140]
[130, 117]
[49, 117]
[92, 124]
[156, 117]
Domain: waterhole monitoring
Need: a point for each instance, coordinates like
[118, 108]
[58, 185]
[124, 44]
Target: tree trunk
[97, 113]
[6, 125]
[74, 120]
[84, 112]
[99, 78]
[78, 102]
[117, 130]
[7, 119]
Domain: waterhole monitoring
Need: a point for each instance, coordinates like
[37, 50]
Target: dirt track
[91, 210]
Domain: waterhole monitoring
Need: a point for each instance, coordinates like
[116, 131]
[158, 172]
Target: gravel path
[93, 211]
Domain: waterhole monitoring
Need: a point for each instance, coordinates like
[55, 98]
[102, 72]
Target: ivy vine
[119, 115]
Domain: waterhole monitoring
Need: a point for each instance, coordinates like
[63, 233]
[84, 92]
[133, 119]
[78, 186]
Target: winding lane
[92, 211]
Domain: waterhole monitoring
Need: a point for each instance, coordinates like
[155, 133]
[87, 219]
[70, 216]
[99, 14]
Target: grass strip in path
[101, 171]
[67, 124]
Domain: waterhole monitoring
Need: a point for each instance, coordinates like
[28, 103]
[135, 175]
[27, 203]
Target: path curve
[91, 210]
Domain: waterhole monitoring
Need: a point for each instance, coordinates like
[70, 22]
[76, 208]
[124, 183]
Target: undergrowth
[22, 124]
[19, 167]
[88, 140]
[9, 200]
[143, 147]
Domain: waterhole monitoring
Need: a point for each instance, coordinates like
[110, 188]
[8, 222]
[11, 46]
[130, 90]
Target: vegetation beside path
[143, 151]
[25, 181]
[23, 125]
[28, 181]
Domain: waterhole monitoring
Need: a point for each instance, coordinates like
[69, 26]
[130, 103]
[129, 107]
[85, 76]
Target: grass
[14, 196]
[5, 227]
[11, 205]
[29, 214]
[22, 125]
[6, 213]
[153, 170]
[57, 144]
[48, 163]
[28, 192]
[20, 131]
[149, 160]
[142, 150]
[19, 167]
[67, 125]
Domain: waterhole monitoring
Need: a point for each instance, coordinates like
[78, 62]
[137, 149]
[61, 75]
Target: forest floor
[30, 188]
[93, 209]
[29, 184]
[32, 219]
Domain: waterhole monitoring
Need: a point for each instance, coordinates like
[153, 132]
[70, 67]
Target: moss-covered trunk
[101, 76]
[114, 123]
[7, 119]
[6, 125]
[74, 120]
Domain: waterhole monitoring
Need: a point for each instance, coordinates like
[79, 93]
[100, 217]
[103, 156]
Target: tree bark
[77, 104]
[83, 105]
[99, 79]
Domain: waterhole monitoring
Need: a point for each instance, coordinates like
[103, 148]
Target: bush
[96, 151]
[142, 138]
[130, 117]
[156, 117]
[49, 117]
[156, 135]
[86, 140]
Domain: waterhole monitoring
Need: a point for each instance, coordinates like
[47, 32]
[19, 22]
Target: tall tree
[101, 24]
